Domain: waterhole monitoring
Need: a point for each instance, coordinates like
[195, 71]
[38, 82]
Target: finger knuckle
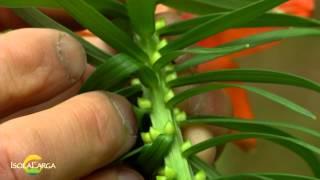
[94, 114]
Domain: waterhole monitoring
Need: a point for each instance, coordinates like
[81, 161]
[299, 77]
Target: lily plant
[146, 72]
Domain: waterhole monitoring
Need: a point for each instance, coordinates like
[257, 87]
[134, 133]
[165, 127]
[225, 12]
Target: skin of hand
[42, 70]
[41, 113]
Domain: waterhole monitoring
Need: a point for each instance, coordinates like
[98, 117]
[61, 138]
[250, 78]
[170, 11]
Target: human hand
[41, 70]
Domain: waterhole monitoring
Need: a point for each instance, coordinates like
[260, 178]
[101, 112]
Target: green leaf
[273, 97]
[88, 17]
[241, 125]
[129, 91]
[228, 4]
[247, 75]
[272, 176]
[134, 152]
[266, 20]
[222, 23]
[251, 176]
[36, 18]
[275, 36]
[112, 8]
[192, 6]
[282, 176]
[200, 165]
[109, 75]
[155, 154]
[142, 17]
[303, 149]
[107, 7]
[29, 3]
[206, 6]
[206, 57]
[282, 20]
[251, 41]
[250, 126]
[201, 55]
[148, 78]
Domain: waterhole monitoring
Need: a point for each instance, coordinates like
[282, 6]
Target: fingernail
[128, 174]
[124, 109]
[72, 56]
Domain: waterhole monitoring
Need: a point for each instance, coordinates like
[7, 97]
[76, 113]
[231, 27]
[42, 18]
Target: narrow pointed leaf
[201, 165]
[36, 18]
[109, 75]
[142, 17]
[273, 97]
[247, 75]
[148, 78]
[272, 176]
[29, 3]
[206, 6]
[192, 6]
[134, 152]
[228, 4]
[283, 176]
[252, 41]
[236, 124]
[129, 91]
[304, 150]
[87, 16]
[107, 7]
[277, 35]
[155, 154]
[222, 23]
[282, 20]
[244, 176]
[250, 126]
[200, 55]
[206, 57]
[266, 20]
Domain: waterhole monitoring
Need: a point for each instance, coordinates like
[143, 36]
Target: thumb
[80, 136]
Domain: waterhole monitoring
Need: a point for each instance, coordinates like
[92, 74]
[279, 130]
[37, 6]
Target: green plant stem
[161, 115]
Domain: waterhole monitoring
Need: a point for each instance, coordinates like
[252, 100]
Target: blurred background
[299, 56]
